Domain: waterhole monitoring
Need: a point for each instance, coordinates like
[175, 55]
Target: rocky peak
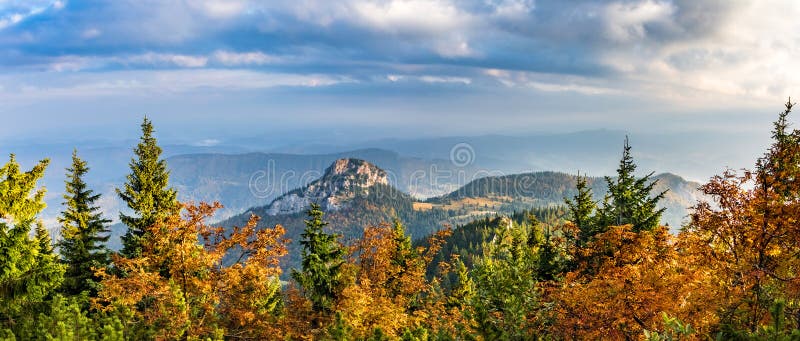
[343, 180]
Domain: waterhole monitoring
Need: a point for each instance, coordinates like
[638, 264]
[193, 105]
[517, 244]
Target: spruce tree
[323, 257]
[146, 192]
[83, 232]
[629, 200]
[29, 272]
[581, 208]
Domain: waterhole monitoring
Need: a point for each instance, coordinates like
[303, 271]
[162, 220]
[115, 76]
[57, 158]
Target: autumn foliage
[198, 281]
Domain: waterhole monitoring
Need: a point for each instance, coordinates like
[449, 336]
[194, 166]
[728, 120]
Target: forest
[606, 270]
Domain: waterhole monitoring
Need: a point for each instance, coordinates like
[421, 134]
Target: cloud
[244, 58]
[33, 87]
[207, 143]
[170, 59]
[661, 49]
[629, 21]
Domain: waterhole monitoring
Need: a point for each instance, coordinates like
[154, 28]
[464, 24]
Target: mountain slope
[522, 191]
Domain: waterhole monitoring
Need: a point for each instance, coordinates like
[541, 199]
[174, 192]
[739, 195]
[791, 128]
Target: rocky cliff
[341, 182]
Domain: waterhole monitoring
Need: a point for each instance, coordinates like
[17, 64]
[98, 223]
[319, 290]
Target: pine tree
[629, 200]
[146, 192]
[581, 208]
[323, 257]
[29, 272]
[506, 300]
[404, 258]
[82, 232]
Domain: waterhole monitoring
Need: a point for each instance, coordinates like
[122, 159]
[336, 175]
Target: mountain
[243, 181]
[342, 182]
[354, 194]
[516, 192]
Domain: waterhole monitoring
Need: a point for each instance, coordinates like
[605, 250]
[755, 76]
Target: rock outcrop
[341, 182]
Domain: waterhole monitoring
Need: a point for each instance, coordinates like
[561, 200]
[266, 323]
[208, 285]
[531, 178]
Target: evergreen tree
[146, 192]
[403, 258]
[505, 300]
[29, 272]
[464, 289]
[581, 208]
[629, 199]
[323, 257]
[82, 232]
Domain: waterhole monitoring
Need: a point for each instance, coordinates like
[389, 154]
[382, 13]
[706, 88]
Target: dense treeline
[591, 270]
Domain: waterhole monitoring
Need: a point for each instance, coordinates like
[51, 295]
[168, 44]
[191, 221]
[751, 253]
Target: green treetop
[83, 232]
[28, 270]
[323, 257]
[629, 200]
[581, 208]
[146, 192]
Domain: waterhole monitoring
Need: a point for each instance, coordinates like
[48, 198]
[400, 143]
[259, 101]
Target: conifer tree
[506, 298]
[404, 258]
[581, 208]
[629, 200]
[323, 257]
[83, 232]
[146, 192]
[28, 270]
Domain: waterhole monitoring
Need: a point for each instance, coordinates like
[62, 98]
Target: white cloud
[220, 9]
[411, 16]
[433, 79]
[512, 9]
[91, 33]
[745, 58]
[42, 86]
[444, 79]
[207, 143]
[627, 21]
[245, 58]
[10, 20]
[168, 59]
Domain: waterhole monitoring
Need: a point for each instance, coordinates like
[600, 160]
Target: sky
[211, 70]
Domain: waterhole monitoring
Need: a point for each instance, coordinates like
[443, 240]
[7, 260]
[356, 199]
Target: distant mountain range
[243, 181]
[241, 178]
[356, 193]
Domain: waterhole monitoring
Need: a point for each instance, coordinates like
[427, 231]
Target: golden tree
[391, 292]
[623, 285]
[748, 235]
[193, 280]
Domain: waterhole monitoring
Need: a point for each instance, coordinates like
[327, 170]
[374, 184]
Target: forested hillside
[520, 191]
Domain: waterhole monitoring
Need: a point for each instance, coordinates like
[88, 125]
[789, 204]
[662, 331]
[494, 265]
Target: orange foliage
[624, 283]
[195, 280]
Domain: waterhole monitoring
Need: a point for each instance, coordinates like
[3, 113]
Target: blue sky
[207, 70]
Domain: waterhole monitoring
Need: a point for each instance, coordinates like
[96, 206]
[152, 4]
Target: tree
[747, 236]
[625, 281]
[146, 192]
[629, 200]
[322, 259]
[197, 281]
[506, 298]
[82, 227]
[29, 272]
[581, 208]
